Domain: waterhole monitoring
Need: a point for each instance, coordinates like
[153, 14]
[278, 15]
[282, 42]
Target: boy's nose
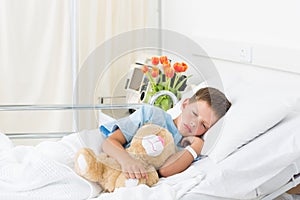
[193, 124]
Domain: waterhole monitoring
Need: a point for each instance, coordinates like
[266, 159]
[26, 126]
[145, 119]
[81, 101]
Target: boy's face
[196, 118]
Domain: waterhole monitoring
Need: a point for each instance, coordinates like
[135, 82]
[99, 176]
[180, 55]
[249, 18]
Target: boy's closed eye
[195, 114]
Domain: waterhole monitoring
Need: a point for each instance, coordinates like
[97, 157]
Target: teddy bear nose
[161, 140]
[153, 145]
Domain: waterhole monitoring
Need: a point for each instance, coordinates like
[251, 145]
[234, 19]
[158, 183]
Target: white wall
[264, 33]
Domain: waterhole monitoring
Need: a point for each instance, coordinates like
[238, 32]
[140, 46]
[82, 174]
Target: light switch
[246, 54]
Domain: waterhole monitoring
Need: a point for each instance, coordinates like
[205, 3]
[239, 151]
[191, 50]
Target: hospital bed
[256, 155]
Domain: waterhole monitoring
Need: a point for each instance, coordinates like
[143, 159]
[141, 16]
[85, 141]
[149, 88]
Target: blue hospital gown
[145, 115]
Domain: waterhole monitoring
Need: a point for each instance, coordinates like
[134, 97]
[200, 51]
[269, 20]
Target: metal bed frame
[295, 180]
[47, 135]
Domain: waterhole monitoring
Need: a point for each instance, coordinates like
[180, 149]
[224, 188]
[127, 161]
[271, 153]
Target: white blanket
[170, 188]
[45, 172]
[42, 172]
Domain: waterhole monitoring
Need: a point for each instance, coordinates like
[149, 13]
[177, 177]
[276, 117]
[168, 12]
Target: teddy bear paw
[82, 164]
[83, 161]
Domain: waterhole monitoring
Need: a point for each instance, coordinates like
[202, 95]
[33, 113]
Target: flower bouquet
[163, 76]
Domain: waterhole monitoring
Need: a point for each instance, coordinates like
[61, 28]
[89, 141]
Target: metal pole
[67, 107]
[74, 58]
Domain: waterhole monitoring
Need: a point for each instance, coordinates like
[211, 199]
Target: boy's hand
[134, 169]
[193, 141]
[187, 140]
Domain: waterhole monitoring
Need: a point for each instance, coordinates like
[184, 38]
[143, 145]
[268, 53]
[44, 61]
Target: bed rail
[68, 107]
[59, 107]
[292, 183]
[38, 135]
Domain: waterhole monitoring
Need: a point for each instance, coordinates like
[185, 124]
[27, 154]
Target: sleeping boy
[198, 114]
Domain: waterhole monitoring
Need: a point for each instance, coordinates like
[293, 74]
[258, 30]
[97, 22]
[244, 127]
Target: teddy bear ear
[153, 145]
[149, 128]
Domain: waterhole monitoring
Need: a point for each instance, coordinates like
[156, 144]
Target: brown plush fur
[107, 171]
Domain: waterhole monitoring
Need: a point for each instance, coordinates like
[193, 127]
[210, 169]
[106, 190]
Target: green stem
[168, 83]
[180, 84]
[160, 77]
[176, 79]
[153, 84]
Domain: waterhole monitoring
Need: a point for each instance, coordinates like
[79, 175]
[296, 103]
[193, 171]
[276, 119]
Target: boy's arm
[113, 146]
[181, 160]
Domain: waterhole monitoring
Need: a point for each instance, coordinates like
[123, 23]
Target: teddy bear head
[152, 144]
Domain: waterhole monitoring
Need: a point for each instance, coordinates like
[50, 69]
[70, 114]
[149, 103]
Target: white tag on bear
[131, 182]
[153, 145]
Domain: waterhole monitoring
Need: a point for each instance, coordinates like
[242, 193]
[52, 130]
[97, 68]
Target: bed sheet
[273, 185]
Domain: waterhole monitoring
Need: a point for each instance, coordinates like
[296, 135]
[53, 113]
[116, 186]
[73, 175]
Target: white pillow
[255, 109]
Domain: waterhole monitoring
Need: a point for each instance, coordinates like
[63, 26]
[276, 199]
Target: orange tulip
[185, 67]
[169, 72]
[154, 72]
[145, 69]
[166, 65]
[180, 67]
[155, 60]
[163, 59]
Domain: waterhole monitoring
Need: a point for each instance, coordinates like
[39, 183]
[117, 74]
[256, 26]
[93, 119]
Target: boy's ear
[184, 103]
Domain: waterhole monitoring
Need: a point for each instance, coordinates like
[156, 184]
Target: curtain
[35, 63]
[107, 19]
[36, 55]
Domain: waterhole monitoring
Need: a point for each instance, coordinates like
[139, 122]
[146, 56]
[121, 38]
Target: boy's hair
[215, 99]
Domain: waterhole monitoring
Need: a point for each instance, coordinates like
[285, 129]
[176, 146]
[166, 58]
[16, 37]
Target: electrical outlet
[246, 54]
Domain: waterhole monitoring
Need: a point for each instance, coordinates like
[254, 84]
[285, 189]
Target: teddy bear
[152, 145]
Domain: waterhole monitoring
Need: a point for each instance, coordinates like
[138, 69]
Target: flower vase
[163, 99]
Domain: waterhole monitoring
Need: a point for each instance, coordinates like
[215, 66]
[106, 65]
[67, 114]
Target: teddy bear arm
[110, 179]
[86, 165]
[152, 177]
[151, 180]
[121, 181]
[111, 172]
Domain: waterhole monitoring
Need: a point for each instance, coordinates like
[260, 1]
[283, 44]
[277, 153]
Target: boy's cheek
[182, 131]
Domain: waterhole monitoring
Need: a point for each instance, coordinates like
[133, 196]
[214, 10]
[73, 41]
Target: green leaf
[181, 82]
[160, 87]
[165, 104]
